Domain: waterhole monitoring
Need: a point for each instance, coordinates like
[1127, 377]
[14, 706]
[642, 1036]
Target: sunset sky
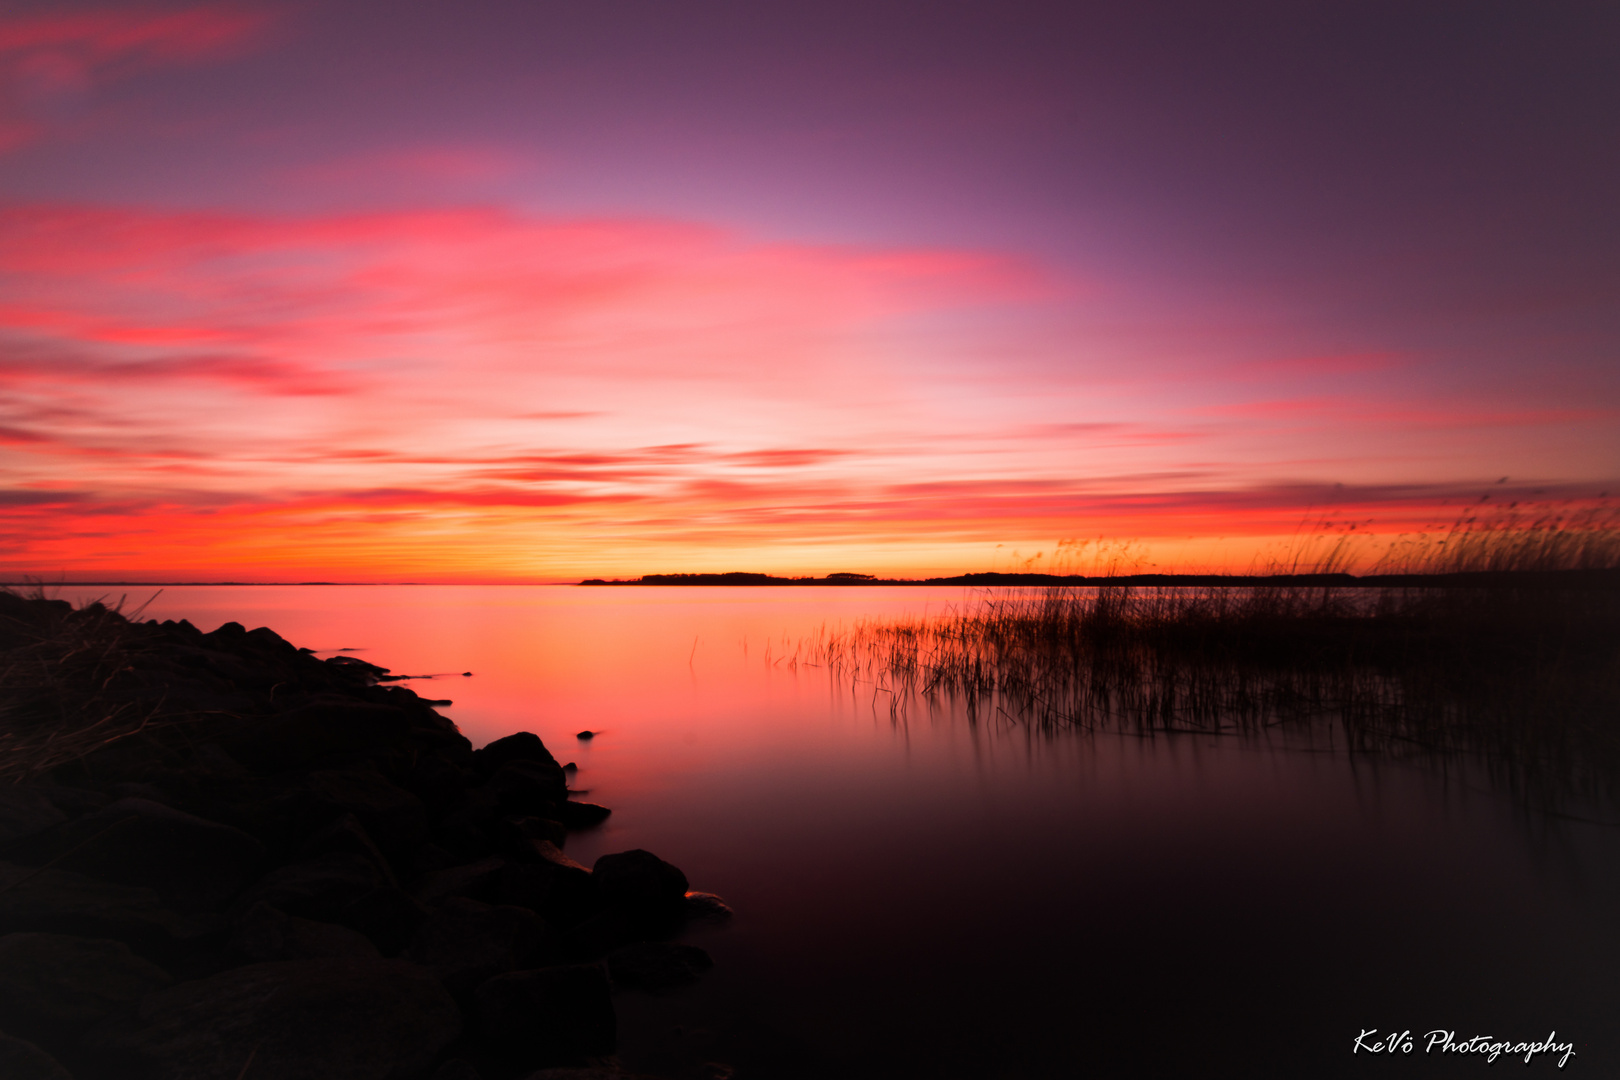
[522, 291]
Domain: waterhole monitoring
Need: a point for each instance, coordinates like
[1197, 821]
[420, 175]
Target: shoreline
[193, 825]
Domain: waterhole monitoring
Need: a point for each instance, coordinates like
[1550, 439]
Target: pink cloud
[46, 57]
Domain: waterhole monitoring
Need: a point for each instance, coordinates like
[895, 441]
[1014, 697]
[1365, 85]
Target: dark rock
[345, 888]
[134, 789]
[706, 906]
[529, 788]
[607, 931]
[53, 986]
[265, 933]
[476, 879]
[394, 818]
[570, 894]
[548, 1016]
[656, 966]
[59, 901]
[347, 834]
[639, 881]
[22, 1060]
[523, 746]
[330, 725]
[333, 1019]
[515, 833]
[539, 877]
[582, 815]
[193, 863]
[430, 859]
[25, 811]
[466, 942]
[585, 735]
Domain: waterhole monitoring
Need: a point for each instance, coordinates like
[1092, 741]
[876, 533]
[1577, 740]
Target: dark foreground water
[919, 896]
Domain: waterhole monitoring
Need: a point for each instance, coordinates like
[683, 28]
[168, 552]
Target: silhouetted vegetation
[1516, 663]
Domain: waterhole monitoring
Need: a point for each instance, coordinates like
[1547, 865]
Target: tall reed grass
[72, 681]
[1523, 674]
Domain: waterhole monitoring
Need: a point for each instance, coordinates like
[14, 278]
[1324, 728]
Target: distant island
[1603, 578]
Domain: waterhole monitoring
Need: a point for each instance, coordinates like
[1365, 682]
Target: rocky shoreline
[266, 865]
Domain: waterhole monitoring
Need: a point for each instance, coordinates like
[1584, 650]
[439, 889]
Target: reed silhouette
[1521, 673]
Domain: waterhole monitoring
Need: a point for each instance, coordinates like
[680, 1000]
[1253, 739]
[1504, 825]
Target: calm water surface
[921, 896]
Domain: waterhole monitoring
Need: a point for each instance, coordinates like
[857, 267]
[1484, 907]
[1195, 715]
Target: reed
[72, 681]
[1523, 674]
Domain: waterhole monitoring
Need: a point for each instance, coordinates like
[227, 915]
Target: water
[919, 896]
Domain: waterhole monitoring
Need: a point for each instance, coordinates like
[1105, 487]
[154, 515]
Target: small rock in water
[570, 767]
[586, 735]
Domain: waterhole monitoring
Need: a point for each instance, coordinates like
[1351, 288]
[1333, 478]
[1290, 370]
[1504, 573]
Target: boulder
[523, 746]
[707, 907]
[479, 880]
[327, 726]
[193, 863]
[59, 901]
[656, 966]
[529, 788]
[340, 887]
[466, 942]
[52, 986]
[25, 811]
[22, 1060]
[547, 1016]
[337, 1019]
[347, 834]
[639, 881]
[394, 819]
[515, 833]
[265, 933]
[582, 815]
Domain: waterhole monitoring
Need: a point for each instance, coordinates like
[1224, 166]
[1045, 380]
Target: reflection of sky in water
[974, 894]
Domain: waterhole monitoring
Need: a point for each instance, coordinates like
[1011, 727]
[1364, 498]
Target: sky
[528, 291]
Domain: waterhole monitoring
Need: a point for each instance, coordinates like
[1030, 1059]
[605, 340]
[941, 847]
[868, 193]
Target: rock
[345, 888]
[569, 892]
[466, 942]
[347, 834]
[582, 815]
[333, 1019]
[476, 879]
[656, 966]
[22, 1060]
[25, 811]
[266, 933]
[548, 1016]
[515, 833]
[194, 864]
[394, 818]
[59, 901]
[585, 735]
[639, 881]
[328, 726]
[53, 987]
[529, 788]
[523, 746]
[706, 906]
